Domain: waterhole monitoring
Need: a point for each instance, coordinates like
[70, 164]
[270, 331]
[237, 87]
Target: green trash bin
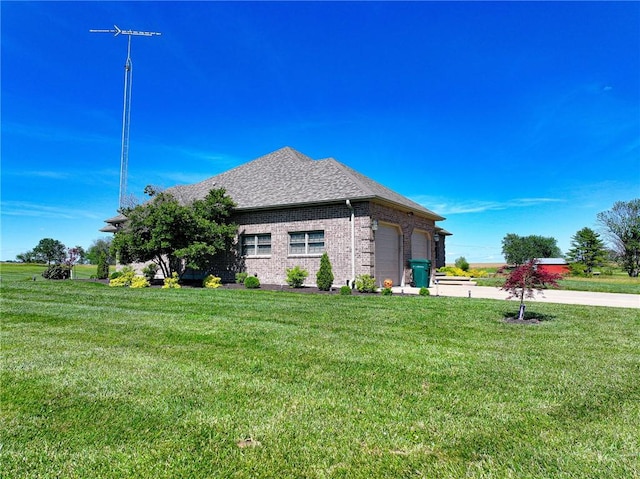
[421, 270]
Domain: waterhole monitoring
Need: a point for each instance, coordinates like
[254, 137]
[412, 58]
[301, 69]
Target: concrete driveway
[616, 300]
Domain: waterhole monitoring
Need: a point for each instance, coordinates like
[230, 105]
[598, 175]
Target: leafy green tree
[174, 235]
[520, 249]
[98, 247]
[587, 249]
[324, 276]
[462, 263]
[622, 226]
[27, 257]
[50, 250]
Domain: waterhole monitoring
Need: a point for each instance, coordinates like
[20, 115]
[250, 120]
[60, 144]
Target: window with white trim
[306, 242]
[256, 245]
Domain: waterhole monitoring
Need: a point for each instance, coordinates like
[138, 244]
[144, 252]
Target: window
[310, 242]
[256, 245]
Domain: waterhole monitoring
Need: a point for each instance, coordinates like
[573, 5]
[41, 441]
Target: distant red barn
[553, 265]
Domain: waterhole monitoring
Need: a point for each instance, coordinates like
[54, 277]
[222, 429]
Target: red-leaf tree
[526, 280]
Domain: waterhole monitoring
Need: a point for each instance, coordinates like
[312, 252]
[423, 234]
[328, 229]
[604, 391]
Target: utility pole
[126, 109]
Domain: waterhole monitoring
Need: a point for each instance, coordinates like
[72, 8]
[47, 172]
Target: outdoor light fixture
[436, 237]
[374, 225]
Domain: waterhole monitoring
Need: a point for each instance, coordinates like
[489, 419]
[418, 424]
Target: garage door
[388, 254]
[420, 245]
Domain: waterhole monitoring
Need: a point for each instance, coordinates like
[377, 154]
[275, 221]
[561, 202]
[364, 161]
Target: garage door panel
[388, 253]
[420, 245]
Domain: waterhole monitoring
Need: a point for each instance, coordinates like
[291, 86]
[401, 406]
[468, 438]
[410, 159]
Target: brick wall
[333, 219]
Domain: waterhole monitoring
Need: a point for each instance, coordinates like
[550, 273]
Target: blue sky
[504, 117]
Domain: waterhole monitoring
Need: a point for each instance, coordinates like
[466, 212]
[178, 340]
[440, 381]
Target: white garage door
[420, 245]
[388, 254]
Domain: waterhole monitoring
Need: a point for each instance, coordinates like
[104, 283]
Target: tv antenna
[126, 109]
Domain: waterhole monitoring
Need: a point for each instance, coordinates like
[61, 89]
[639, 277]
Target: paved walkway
[617, 300]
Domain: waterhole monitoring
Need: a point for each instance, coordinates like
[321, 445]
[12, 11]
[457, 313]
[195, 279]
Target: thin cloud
[445, 207]
[35, 210]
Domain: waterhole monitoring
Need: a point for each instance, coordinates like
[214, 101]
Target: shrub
[139, 282]
[103, 267]
[115, 274]
[424, 292]
[345, 291]
[296, 276]
[212, 282]
[124, 278]
[366, 283]
[386, 292]
[455, 271]
[462, 263]
[171, 282]
[251, 282]
[57, 271]
[240, 277]
[324, 277]
[150, 271]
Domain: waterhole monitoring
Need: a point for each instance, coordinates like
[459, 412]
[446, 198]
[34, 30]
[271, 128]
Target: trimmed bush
[324, 276]
[139, 282]
[123, 279]
[346, 291]
[240, 277]
[386, 292]
[115, 274]
[172, 282]
[212, 282]
[424, 292]
[251, 282]
[296, 276]
[366, 283]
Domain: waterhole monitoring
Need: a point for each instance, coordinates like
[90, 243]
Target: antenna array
[126, 109]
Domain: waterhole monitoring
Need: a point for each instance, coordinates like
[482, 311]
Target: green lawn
[102, 382]
[29, 271]
[603, 284]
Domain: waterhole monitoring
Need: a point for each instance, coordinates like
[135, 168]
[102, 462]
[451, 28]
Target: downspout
[353, 245]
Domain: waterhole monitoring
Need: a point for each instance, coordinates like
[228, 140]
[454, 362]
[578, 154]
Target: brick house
[291, 209]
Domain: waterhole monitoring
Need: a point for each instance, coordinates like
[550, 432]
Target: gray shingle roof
[286, 177]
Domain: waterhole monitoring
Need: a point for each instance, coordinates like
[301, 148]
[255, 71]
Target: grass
[29, 271]
[601, 284]
[100, 382]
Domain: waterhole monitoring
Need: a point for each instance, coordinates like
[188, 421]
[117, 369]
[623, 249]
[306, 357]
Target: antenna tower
[126, 109]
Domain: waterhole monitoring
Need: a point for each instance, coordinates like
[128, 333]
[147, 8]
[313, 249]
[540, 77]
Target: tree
[324, 276]
[103, 267]
[588, 249]
[527, 279]
[99, 247]
[462, 263]
[520, 249]
[622, 226]
[173, 235]
[50, 250]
